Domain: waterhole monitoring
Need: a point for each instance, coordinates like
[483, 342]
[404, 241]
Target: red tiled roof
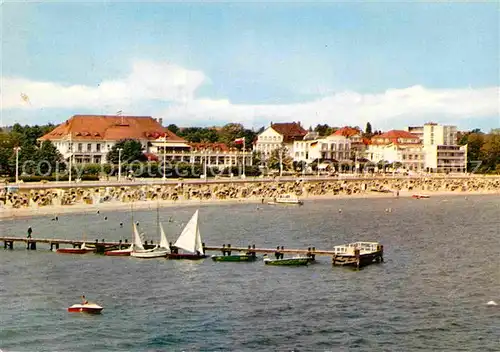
[347, 132]
[105, 127]
[394, 136]
[290, 131]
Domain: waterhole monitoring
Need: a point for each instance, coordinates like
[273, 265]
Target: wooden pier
[357, 260]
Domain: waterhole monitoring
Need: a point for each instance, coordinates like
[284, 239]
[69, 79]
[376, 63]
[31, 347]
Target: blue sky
[204, 64]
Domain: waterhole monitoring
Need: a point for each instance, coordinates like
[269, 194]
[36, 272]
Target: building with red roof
[88, 138]
[279, 135]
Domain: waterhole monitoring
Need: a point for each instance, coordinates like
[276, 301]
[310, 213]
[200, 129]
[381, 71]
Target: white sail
[137, 239]
[163, 239]
[199, 243]
[188, 238]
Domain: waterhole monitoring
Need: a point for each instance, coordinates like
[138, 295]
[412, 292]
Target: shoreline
[21, 213]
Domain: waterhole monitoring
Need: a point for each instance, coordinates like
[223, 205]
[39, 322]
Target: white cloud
[151, 82]
[351, 108]
[147, 81]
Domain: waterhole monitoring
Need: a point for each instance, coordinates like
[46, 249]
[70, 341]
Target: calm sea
[442, 264]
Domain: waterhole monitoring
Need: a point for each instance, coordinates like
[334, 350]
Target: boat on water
[287, 199]
[82, 250]
[138, 250]
[234, 258]
[120, 252]
[421, 196]
[91, 308]
[190, 241]
[291, 261]
[358, 254]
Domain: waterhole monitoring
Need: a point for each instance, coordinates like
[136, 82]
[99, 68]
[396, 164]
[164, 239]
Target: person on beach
[29, 232]
[84, 300]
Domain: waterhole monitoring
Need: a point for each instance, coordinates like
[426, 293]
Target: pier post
[31, 245]
[229, 249]
[356, 254]
[120, 244]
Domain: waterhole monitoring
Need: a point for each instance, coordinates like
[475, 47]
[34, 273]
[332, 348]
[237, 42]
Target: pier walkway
[103, 246]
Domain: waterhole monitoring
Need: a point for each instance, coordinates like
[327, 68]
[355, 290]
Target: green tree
[280, 158]
[368, 129]
[324, 130]
[132, 150]
[490, 152]
[173, 128]
[229, 132]
[48, 158]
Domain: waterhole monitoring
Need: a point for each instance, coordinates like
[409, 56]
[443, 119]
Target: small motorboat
[120, 252]
[91, 308]
[292, 261]
[81, 250]
[421, 196]
[234, 258]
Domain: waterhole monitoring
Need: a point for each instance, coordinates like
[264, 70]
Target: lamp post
[16, 149]
[120, 164]
[165, 157]
[70, 156]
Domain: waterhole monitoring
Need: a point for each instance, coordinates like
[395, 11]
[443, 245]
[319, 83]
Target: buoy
[340, 210]
[105, 218]
[492, 303]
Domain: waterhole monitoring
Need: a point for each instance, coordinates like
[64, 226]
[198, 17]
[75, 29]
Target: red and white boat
[120, 252]
[81, 250]
[91, 308]
[421, 196]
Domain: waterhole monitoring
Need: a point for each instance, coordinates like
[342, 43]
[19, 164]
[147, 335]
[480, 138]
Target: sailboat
[139, 251]
[190, 241]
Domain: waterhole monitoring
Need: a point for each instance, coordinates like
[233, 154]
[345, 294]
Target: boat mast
[157, 217]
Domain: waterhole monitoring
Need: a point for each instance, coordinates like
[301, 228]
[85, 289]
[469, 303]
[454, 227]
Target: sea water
[441, 268]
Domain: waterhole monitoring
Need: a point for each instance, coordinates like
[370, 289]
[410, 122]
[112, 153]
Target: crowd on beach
[25, 198]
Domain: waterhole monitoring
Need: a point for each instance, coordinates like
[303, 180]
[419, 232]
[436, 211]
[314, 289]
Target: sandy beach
[56, 210]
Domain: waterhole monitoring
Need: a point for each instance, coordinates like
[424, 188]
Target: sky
[392, 64]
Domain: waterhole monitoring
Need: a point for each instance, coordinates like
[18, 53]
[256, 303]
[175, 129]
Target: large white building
[89, 138]
[441, 152]
[279, 135]
[397, 146]
[334, 148]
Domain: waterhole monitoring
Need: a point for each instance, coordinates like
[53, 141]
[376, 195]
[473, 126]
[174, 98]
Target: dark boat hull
[187, 256]
[74, 250]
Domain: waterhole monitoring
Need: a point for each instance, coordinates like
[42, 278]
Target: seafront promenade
[56, 197]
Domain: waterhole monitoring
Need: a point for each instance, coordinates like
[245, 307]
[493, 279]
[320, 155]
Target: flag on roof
[314, 143]
[239, 140]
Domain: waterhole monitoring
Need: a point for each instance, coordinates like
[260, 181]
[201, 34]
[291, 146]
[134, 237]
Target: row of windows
[413, 157]
[269, 138]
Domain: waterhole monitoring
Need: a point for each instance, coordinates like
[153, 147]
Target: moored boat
[292, 261]
[358, 254]
[138, 250]
[290, 199]
[421, 196]
[190, 241]
[120, 252]
[91, 308]
[234, 258]
[81, 250]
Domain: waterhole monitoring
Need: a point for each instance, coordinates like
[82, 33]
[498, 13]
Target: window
[89, 147]
[98, 147]
[80, 147]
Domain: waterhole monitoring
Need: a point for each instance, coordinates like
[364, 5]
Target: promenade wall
[48, 195]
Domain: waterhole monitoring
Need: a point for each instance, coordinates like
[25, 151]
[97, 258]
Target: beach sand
[56, 210]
